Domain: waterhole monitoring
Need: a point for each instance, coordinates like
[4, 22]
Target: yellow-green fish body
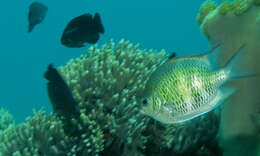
[187, 87]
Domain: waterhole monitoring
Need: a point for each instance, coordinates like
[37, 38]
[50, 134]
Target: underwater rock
[37, 13]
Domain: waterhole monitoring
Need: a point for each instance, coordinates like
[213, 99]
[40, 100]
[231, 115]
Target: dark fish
[60, 95]
[37, 13]
[82, 29]
[172, 55]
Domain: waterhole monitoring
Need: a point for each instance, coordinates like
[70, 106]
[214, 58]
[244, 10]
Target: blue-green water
[24, 56]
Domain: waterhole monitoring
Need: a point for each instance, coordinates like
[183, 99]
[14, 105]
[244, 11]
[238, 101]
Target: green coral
[210, 11]
[184, 138]
[241, 6]
[256, 2]
[226, 7]
[44, 134]
[90, 138]
[205, 9]
[39, 135]
[237, 7]
[6, 120]
[107, 84]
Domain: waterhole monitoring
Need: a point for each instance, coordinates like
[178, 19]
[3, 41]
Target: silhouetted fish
[172, 55]
[82, 29]
[37, 13]
[60, 95]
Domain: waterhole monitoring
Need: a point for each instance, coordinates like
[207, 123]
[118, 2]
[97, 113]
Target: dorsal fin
[212, 57]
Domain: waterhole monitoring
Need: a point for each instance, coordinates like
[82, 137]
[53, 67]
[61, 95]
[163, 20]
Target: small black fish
[172, 55]
[82, 29]
[63, 103]
[60, 95]
[37, 13]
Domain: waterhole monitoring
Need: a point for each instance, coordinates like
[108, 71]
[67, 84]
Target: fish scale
[186, 87]
[182, 99]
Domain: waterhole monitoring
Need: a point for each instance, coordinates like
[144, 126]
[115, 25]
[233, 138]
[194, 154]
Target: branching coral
[40, 135]
[234, 24]
[108, 83]
[6, 120]
[186, 138]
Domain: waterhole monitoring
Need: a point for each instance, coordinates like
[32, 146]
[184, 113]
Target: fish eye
[145, 102]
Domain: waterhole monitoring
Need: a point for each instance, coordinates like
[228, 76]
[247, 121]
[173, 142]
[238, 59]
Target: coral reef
[236, 23]
[184, 139]
[107, 85]
[205, 8]
[39, 135]
[6, 120]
